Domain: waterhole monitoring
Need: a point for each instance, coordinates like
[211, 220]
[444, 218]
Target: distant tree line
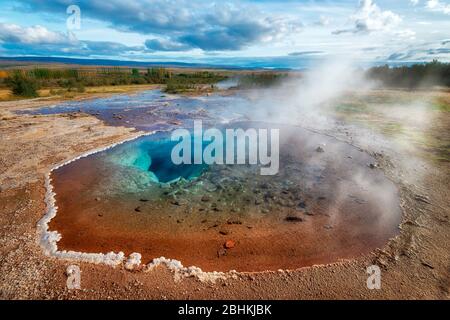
[27, 82]
[418, 75]
[260, 79]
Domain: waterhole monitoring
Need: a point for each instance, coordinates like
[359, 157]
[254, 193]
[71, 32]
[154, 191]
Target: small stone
[319, 149]
[328, 227]
[234, 222]
[302, 205]
[224, 232]
[175, 202]
[97, 199]
[137, 209]
[421, 198]
[292, 218]
[221, 252]
[428, 265]
[143, 200]
[205, 198]
[229, 244]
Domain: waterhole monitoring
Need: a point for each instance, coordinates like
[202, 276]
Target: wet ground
[154, 110]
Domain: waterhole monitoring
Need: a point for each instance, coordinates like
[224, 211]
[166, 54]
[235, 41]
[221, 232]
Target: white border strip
[48, 239]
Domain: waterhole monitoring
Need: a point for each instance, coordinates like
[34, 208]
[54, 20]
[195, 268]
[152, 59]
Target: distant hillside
[22, 61]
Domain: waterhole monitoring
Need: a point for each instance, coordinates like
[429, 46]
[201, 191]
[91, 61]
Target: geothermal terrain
[366, 183]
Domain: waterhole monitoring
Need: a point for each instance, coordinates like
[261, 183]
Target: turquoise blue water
[152, 155]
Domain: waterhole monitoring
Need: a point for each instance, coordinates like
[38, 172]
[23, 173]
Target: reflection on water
[154, 110]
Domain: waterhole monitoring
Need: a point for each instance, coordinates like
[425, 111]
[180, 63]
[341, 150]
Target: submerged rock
[293, 218]
[229, 244]
[224, 232]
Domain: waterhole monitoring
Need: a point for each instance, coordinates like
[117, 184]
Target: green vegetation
[186, 82]
[441, 106]
[260, 80]
[173, 87]
[374, 112]
[22, 85]
[414, 76]
[25, 82]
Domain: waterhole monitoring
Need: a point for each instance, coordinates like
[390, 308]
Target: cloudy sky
[268, 33]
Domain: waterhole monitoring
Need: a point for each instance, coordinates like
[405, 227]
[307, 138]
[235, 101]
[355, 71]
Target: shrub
[22, 86]
[173, 87]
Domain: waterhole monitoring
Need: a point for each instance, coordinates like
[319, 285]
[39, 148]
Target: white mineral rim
[48, 239]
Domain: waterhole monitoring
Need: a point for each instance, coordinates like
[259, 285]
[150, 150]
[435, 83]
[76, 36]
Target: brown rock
[293, 218]
[229, 244]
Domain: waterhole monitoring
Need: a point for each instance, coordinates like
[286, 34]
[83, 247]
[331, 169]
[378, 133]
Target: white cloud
[191, 24]
[39, 40]
[30, 35]
[370, 18]
[438, 6]
[324, 21]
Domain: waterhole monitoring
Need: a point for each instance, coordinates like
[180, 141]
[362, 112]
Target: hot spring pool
[319, 208]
